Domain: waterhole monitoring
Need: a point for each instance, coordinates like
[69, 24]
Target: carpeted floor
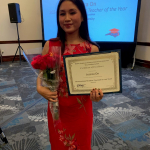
[121, 121]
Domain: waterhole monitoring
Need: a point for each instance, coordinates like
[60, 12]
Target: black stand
[19, 47]
[3, 137]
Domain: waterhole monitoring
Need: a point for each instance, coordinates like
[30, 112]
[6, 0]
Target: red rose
[46, 61]
[36, 62]
[38, 57]
[43, 65]
[35, 65]
[49, 60]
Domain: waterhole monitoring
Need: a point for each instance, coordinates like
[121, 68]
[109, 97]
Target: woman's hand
[47, 94]
[96, 95]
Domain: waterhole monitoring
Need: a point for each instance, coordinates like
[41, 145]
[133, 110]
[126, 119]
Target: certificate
[93, 70]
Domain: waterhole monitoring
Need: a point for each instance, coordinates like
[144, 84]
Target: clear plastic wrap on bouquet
[47, 69]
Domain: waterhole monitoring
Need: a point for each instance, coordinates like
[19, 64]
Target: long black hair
[83, 30]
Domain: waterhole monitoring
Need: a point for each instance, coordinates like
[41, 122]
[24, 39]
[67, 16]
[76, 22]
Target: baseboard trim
[138, 62]
[10, 58]
[22, 41]
[143, 43]
[142, 63]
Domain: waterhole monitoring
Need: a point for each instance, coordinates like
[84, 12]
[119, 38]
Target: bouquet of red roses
[49, 66]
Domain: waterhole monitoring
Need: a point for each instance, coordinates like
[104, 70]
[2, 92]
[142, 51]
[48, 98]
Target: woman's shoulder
[54, 42]
[94, 47]
[49, 43]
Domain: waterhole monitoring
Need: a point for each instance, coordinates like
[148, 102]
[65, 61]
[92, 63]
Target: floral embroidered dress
[76, 112]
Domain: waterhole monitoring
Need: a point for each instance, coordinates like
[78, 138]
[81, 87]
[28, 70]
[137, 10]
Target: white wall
[143, 52]
[30, 29]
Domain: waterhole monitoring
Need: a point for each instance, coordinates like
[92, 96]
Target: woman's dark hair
[83, 30]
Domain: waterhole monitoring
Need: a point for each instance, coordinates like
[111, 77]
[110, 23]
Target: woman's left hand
[96, 95]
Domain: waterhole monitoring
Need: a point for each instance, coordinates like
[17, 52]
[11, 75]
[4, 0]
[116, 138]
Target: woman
[75, 111]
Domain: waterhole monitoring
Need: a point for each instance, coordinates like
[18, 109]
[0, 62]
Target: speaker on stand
[15, 17]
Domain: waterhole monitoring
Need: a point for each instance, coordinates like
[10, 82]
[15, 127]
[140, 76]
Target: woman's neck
[73, 38]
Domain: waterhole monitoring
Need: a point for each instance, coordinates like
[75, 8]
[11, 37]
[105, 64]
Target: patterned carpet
[121, 121]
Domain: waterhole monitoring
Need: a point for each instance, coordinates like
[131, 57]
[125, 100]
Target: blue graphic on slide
[103, 16]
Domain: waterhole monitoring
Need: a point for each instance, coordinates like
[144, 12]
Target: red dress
[76, 112]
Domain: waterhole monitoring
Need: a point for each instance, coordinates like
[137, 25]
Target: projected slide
[108, 20]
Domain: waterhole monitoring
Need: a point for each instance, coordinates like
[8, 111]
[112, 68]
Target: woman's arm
[96, 94]
[46, 48]
[45, 92]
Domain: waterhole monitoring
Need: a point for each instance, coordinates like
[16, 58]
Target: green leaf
[67, 144]
[80, 106]
[44, 75]
[79, 101]
[69, 137]
[73, 137]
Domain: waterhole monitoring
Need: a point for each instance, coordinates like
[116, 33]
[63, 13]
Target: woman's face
[70, 17]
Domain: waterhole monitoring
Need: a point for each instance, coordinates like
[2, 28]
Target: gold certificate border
[114, 56]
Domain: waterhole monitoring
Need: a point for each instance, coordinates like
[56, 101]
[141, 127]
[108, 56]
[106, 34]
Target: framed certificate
[93, 70]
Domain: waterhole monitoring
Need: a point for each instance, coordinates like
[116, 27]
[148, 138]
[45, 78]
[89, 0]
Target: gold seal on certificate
[93, 70]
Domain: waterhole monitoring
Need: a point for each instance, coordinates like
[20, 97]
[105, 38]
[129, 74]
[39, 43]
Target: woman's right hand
[47, 94]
